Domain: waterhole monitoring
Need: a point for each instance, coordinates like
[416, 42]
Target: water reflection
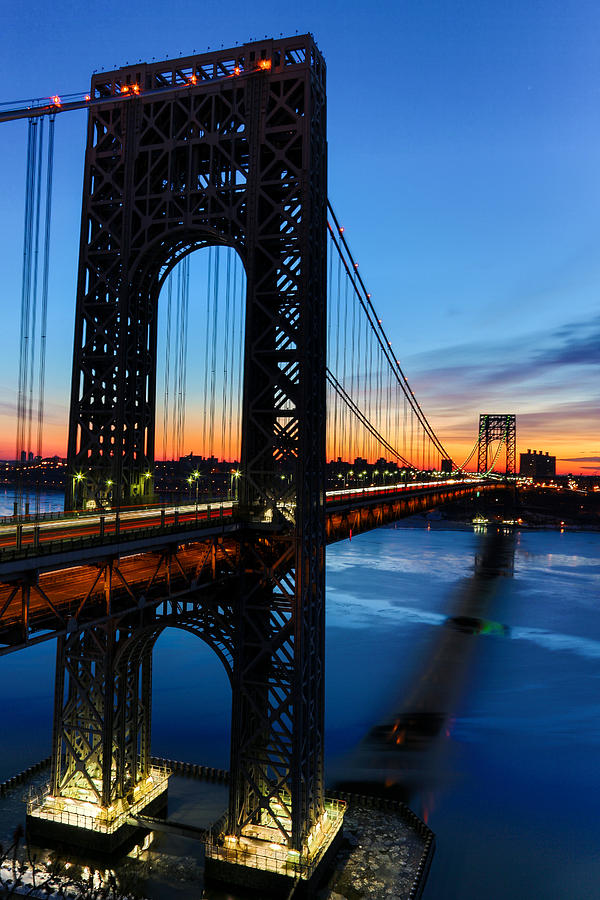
[508, 779]
[40, 502]
[400, 755]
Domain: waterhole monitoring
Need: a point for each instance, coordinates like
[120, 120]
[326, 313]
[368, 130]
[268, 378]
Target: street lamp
[235, 476]
[77, 479]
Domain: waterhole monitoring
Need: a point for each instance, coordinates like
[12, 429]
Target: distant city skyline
[462, 163]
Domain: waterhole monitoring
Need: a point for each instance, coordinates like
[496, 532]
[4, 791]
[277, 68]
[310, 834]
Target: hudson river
[509, 778]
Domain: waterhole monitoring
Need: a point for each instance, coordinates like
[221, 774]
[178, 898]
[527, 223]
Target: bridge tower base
[70, 828]
[260, 860]
[101, 776]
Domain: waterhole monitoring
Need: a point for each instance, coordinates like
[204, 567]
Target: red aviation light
[135, 88]
[237, 70]
[87, 97]
[264, 64]
[56, 100]
[125, 89]
[194, 79]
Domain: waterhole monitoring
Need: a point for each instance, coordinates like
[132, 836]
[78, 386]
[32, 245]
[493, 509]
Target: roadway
[66, 526]
[63, 573]
[36, 532]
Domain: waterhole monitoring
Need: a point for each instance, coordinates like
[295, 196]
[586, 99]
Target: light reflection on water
[512, 797]
[49, 501]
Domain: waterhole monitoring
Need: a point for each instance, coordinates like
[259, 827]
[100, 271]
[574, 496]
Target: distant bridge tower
[502, 428]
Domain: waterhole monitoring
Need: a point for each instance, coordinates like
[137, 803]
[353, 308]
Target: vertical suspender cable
[176, 375]
[329, 354]
[345, 449]
[166, 406]
[241, 319]
[338, 337]
[232, 356]
[44, 306]
[209, 297]
[225, 352]
[35, 270]
[183, 285]
[213, 361]
[360, 376]
[185, 301]
[30, 170]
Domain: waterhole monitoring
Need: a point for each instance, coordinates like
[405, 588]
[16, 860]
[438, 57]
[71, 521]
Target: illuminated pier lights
[79, 821]
[261, 860]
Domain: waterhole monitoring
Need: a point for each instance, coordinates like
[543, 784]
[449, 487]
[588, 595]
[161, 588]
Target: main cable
[338, 388]
[365, 300]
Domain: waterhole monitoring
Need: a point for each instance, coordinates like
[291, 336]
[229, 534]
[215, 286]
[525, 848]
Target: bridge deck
[81, 571]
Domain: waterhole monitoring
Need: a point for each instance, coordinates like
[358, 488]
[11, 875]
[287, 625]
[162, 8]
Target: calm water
[48, 501]
[511, 784]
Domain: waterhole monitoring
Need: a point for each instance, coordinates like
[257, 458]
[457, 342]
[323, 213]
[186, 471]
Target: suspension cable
[44, 301]
[363, 418]
[365, 300]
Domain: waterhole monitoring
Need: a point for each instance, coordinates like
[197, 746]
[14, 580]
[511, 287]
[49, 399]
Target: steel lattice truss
[103, 696]
[501, 428]
[228, 148]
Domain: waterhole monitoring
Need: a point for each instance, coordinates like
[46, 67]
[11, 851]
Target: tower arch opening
[199, 375]
[191, 699]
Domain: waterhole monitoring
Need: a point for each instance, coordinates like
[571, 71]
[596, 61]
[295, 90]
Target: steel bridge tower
[227, 148]
[501, 428]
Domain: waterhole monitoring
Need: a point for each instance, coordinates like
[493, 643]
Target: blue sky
[463, 163]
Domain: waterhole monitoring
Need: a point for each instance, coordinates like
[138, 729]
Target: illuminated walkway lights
[85, 812]
[263, 847]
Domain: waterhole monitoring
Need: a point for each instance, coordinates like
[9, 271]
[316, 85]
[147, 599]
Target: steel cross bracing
[103, 694]
[238, 161]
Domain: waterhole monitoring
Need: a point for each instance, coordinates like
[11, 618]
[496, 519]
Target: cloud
[574, 346]
[547, 364]
[580, 459]
[530, 357]
[570, 412]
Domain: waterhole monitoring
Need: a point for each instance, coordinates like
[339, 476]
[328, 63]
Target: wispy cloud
[504, 363]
